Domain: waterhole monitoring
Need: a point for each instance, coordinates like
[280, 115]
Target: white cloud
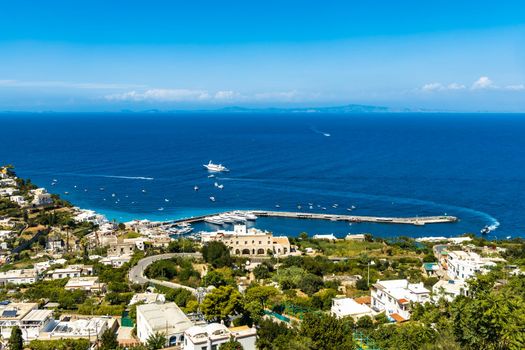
[188, 95]
[226, 95]
[277, 96]
[65, 84]
[455, 86]
[483, 83]
[175, 95]
[518, 87]
[162, 95]
[433, 87]
[440, 87]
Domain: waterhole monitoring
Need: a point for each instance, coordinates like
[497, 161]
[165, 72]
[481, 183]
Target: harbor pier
[415, 220]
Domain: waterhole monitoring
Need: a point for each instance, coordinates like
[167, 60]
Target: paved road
[136, 274]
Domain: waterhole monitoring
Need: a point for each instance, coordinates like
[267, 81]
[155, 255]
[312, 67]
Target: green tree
[310, 283]
[108, 340]
[156, 341]
[491, 320]
[214, 278]
[272, 335]
[220, 303]
[217, 254]
[261, 272]
[231, 344]
[16, 342]
[361, 284]
[327, 332]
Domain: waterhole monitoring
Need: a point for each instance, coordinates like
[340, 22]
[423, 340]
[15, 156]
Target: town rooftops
[398, 318]
[349, 307]
[37, 316]
[16, 311]
[216, 331]
[167, 318]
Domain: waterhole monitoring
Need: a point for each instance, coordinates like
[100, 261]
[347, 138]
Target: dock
[415, 220]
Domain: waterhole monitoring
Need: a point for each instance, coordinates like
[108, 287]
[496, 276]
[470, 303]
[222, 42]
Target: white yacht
[212, 199]
[214, 220]
[215, 167]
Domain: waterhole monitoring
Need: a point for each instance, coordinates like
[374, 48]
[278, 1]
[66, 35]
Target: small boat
[196, 188]
[277, 206]
[66, 192]
[85, 189]
[212, 198]
[299, 207]
[113, 195]
[166, 200]
[102, 188]
[215, 167]
[55, 180]
[353, 206]
[53, 183]
[485, 230]
[323, 208]
[311, 207]
[143, 191]
[160, 209]
[103, 199]
[220, 187]
[215, 220]
[349, 209]
[211, 176]
[75, 186]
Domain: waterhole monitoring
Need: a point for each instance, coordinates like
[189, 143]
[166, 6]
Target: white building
[449, 289]
[211, 336]
[115, 261]
[26, 316]
[329, 237]
[244, 241]
[342, 307]
[41, 197]
[148, 298]
[90, 284]
[91, 216]
[464, 265]
[355, 237]
[70, 271]
[394, 297]
[19, 200]
[6, 222]
[24, 276]
[8, 191]
[163, 318]
[35, 322]
[83, 328]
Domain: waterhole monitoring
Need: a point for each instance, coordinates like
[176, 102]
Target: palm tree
[156, 341]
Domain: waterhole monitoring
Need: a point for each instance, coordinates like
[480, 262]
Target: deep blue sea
[470, 166]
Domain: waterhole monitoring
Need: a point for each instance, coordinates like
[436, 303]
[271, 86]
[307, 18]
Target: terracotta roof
[403, 301]
[364, 300]
[397, 318]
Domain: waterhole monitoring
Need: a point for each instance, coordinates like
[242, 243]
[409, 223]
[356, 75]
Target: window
[204, 348]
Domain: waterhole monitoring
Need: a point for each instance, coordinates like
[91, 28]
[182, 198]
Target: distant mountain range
[346, 109]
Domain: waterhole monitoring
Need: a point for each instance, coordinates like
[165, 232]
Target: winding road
[136, 274]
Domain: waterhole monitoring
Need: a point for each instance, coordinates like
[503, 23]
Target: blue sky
[113, 55]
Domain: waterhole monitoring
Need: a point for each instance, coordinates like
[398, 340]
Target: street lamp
[371, 262]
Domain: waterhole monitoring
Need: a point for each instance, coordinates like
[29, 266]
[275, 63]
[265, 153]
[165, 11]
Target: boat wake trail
[127, 177]
[319, 132]
[108, 176]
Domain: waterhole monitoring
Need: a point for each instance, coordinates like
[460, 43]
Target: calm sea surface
[470, 166]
